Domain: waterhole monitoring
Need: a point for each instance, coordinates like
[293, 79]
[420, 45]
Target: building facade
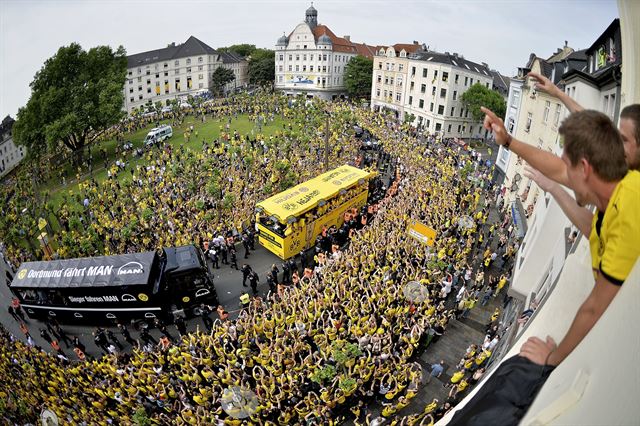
[427, 87]
[10, 154]
[176, 72]
[312, 59]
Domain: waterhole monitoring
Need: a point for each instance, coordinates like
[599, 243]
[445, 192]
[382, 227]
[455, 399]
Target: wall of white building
[10, 154]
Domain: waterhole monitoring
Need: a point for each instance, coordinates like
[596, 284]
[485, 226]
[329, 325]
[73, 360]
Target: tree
[409, 118]
[479, 95]
[357, 77]
[262, 68]
[241, 49]
[221, 76]
[75, 96]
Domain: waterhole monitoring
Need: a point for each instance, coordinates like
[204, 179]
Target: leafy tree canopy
[479, 95]
[262, 69]
[241, 49]
[75, 96]
[357, 77]
[220, 77]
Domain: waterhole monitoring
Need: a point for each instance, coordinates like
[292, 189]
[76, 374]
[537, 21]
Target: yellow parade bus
[291, 220]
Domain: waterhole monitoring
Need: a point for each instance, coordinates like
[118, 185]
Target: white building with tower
[311, 60]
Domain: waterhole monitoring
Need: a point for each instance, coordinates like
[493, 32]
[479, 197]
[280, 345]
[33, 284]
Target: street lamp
[326, 141]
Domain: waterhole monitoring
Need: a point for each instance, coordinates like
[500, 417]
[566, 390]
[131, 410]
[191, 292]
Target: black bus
[123, 287]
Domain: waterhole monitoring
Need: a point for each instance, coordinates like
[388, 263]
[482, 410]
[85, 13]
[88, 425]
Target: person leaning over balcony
[593, 166]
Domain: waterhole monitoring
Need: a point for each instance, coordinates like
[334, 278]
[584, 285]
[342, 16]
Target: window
[379, 78]
[423, 88]
[200, 77]
[377, 92]
[304, 68]
[455, 95]
[466, 113]
[471, 82]
[466, 81]
[453, 111]
[421, 103]
[379, 65]
[177, 72]
[280, 68]
[428, 122]
[445, 76]
[461, 111]
[324, 57]
[386, 80]
[166, 74]
[188, 69]
[166, 65]
[515, 99]
[400, 67]
[310, 68]
[386, 94]
[139, 97]
[433, 91]
[280, 79]
[511, 124]
[139, 88]
[399, 81]
[441, 109]
[438, 127]
[398, 97]
[547, 108]
[391, 81]
[200, 68]
[200, 59]
[131, 90]
[188, 61]
[130, 81]
[443, 93]
[131, 99]
[290, 57]
[411, 86]
[290, 67]
[410, 100]
[487, 85]
[304, 57]
[449, 128]
[148, 89]
[311, 57]
[413, 71]
[556, 118]
[297, 68]
[304, 46]
[528, 125]
[297, 57]
[456, 78]
[431, 107]
[459, 127]
[157, 75]
[324, 68]
[425, 71]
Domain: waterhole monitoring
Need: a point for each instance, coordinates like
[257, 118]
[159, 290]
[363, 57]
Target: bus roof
[303, 197]
[103, 271]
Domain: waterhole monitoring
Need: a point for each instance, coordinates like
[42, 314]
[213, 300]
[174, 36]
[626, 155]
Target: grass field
[209, 130]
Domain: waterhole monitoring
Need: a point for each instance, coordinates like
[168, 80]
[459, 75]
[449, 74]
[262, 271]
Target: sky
[502, 33]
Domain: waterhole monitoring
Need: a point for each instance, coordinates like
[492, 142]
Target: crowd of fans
[324, 347]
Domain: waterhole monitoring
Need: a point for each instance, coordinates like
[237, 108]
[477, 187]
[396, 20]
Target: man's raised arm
[549, 164]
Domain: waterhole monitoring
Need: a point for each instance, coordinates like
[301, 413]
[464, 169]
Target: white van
[158, 134]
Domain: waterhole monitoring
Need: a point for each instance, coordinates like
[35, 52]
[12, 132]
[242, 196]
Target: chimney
[348, 38]
[484, 64]
[415, 42]
[447, 53]
[455, 54]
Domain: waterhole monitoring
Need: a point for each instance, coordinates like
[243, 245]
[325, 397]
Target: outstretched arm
[546, 85]
[549, 164]
[579, 216]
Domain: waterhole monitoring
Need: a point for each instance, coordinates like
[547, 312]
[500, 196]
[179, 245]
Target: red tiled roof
[409, 48]
[339, 44]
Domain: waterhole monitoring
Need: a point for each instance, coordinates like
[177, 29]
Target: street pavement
[228, 283]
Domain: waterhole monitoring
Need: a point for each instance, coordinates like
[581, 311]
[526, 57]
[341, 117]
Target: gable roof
[230, 57]
[6, 126]
[339, 44]
[191, 47]
[455, 60]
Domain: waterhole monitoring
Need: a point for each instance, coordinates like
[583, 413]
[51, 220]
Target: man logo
[22, 274]
[128, 298]
[130, 268]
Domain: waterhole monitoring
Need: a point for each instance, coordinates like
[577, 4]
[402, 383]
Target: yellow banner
[305, 196]
[422, 232]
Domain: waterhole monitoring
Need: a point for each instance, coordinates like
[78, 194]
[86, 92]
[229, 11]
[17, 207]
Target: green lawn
[209, 130]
